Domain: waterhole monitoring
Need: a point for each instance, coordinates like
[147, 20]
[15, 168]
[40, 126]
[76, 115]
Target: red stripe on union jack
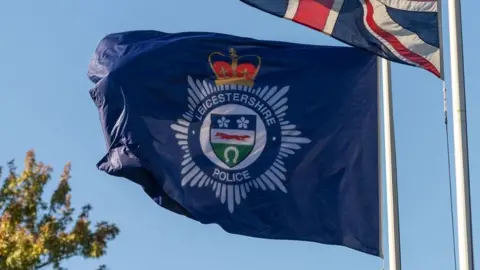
[402, 50]
[404, 31]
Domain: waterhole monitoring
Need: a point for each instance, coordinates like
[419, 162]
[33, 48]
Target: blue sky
[45, 49]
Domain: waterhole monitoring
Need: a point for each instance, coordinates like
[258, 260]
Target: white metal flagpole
[462, 174]
[393, 221]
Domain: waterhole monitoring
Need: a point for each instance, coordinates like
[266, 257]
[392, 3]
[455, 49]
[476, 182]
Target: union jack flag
[403, 31]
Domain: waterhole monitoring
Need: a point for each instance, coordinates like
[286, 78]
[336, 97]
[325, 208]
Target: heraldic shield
[232, 137]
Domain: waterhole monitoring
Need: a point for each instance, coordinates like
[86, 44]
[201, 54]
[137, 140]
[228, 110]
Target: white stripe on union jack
[291, 9]
[332, 16]
[404, 31]
[412, 5]
[405, 45]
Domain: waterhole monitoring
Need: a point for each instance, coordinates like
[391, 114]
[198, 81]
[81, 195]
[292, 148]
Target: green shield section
[231, 154]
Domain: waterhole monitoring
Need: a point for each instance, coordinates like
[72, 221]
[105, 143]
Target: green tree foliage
[35, 233]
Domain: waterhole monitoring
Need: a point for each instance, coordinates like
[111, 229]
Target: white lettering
[271, 121]
[215, 100]
[216, 172]
[244, 98]
[208, 103]
[258, 105]
[251, 101]
[230, 177]
[201, 110]
[221, 97]
[267, 114]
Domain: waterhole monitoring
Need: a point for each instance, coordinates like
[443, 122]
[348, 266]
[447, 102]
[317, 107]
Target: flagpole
[393, 227]
[462, 174]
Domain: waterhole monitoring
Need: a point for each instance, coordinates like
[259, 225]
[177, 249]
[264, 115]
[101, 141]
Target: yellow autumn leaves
[35, 233]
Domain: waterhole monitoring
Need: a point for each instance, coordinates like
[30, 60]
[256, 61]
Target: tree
[35, 234]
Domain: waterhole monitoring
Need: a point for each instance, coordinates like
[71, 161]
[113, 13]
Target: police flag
[266, 139]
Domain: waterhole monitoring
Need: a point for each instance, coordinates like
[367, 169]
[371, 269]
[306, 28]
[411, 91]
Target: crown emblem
[233, 69]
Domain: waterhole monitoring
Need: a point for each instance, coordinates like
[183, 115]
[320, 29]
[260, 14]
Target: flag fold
[403, 31]
[266, 139]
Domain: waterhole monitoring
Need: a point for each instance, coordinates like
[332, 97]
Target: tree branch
[48, 262]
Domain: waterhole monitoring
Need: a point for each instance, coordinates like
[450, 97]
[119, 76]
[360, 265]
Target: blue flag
[267, 139]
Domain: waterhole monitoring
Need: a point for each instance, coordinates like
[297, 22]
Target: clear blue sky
[45, 49]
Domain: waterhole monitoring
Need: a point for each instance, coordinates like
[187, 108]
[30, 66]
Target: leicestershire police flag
[267, 139]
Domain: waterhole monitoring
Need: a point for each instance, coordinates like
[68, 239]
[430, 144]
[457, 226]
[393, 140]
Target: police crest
[236, 137]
